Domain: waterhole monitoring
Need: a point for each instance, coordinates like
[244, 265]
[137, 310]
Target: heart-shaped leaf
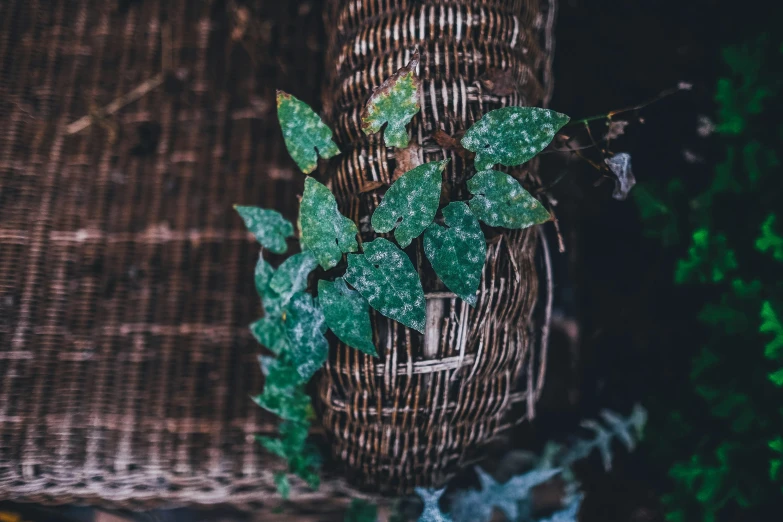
[512, 135]
[263, 274]
[395, 102]
[269, 331]
[410, 203]
[347, 314]
[304, 132]
[305, 328]
[457, 253]
[269, 226]
[387, 279]
[290, 403]
[325, 232]
[291, 275]
[502, 202]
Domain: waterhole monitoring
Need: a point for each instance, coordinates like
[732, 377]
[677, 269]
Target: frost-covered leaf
[269, 226]
[304, 132]
[500, 201]
[620, 165]
[395, 102]
[512, 135]
[432, 512]
[289, 403]
[410, 203]
[297, 336]
[282, 484]
[269, 331]
[325, 232]
[291, 275]
[620, 427]
[769, 240]
[457, 253]
[387, 279]
[347, 314]
[568, 514]
[602, 441]
[469, 506]
[507, 496]
[305, 328]
[263, 274]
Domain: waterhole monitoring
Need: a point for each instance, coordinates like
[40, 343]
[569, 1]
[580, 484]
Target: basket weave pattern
[413, 416]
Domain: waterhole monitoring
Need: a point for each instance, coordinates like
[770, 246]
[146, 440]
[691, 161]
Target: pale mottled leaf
[305, 328]
[304, 132]
[291, 275]
[289, 403]
[602, 441]
[410, 203]
[506, 496]
[282, 484]
[347, 314]
[512, 135]
[469, 506]
[394, 102]
[263, 274]
[500, 201]
[620, 427]
[432, 512]
[387, 279]
[620, 165]
[567, 514]
[457, 253]
[269, 331]
[269, 226]
[325, 232]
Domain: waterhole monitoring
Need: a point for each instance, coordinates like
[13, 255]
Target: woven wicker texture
[125, 275]
[416, 414]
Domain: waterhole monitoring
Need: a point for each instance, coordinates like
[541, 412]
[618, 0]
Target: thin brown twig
[609, 115]
[140, 91]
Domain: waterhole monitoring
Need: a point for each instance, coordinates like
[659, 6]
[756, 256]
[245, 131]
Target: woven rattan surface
[125, 275]
[127, 130]
[416, 414]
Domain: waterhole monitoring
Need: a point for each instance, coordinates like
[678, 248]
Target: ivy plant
[378, 274]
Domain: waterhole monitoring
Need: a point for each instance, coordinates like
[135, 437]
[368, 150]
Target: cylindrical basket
[419, 411]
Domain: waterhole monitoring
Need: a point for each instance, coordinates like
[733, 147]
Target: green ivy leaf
[269, 331]
[282, 484]
[289, 403]
[361, 511]
[325, 232]
[305, 328]
[291, 276]
[387, 279]
[500, 201]
[410, 203]
[457, 253]
[512, 135]
[395, 102]
[770, 241]
[304, 132]
[263, 274]
[347, 314]
[269, 226]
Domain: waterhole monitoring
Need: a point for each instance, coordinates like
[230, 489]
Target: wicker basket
[417, 413]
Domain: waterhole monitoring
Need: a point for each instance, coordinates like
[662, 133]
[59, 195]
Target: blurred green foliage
[731, 420]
